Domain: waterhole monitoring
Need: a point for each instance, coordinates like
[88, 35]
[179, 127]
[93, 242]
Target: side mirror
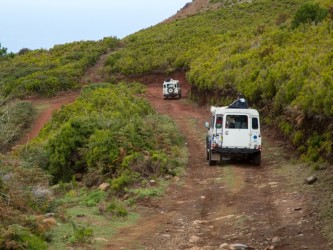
[207, 125]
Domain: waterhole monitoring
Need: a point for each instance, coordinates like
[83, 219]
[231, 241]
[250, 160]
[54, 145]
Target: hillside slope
[252, 48]
[112, 135]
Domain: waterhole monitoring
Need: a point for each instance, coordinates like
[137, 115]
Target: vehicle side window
[237, 122]
[212, 124]
[219, 122]
[255, 123]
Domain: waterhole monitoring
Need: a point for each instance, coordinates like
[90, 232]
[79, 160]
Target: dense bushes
[23, 196]
[308, 13]
[46, 71]
[255, 48]
[14, 118]
[108, 132]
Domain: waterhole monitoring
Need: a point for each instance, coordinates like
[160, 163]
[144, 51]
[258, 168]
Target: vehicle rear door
[236, 131]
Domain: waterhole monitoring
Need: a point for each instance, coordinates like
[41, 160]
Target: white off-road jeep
[233, 133]
[171, 89]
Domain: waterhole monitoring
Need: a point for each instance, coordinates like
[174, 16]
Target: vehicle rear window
[255, 123]
[237, 122]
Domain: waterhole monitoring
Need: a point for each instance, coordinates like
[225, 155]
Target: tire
[170, 90]
[257, 159]
[180, 95]
[210, 161]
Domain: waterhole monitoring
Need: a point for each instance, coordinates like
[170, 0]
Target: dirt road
[212, 207]
[45, 108]
[231, 203]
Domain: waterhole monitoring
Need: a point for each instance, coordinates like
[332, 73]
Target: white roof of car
[171, 81]
[227, 110]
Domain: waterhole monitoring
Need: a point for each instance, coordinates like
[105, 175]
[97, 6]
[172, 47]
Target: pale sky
[36, 24]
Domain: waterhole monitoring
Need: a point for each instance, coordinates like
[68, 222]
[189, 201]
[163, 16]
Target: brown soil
[231, 203]
[192, 8]
[46, 107]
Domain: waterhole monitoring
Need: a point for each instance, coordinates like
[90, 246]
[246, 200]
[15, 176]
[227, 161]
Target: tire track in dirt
[230, 203]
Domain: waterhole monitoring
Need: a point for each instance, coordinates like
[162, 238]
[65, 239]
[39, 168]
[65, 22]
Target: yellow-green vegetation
[110, 135]
[23, 196]
[87, 217]
[14, 118]
[41, 72]
[45, 72]
[277, 53]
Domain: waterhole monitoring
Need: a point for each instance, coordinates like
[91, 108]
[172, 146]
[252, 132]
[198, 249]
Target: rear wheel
[257, 159]
[210, 161]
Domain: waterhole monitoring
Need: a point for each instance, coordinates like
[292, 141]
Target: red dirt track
[231, 203]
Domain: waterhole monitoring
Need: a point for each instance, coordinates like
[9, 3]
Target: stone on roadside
[7, 177]
[41, 193]
[224, 246]
[50, 222]
[311, 179]
[194, 239]
[104, 186]
[240, 247]
[276, 239]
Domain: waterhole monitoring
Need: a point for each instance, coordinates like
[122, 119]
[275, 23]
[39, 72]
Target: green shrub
[117, 208]
[81, 234]
[298, 138]
[14, 118]
[63, 148]
[18, 237]
[45, 72]
[125, 178]
[109, 131]
[309, 13]
[286, 127]
[94, 198]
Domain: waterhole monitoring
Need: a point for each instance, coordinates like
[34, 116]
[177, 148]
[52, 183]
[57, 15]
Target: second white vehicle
[171, 89]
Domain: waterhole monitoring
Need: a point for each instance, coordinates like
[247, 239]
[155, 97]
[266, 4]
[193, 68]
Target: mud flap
[215, 157]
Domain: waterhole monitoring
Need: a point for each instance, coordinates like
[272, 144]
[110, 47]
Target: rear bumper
[235, 151]
[171, 95]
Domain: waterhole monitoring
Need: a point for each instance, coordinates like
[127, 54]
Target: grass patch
[89, 218]
[231, 179]
[141, 193]
[41, 107]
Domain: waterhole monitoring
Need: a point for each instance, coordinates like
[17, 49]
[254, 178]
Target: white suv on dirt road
[233, 133]
[171, 89]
